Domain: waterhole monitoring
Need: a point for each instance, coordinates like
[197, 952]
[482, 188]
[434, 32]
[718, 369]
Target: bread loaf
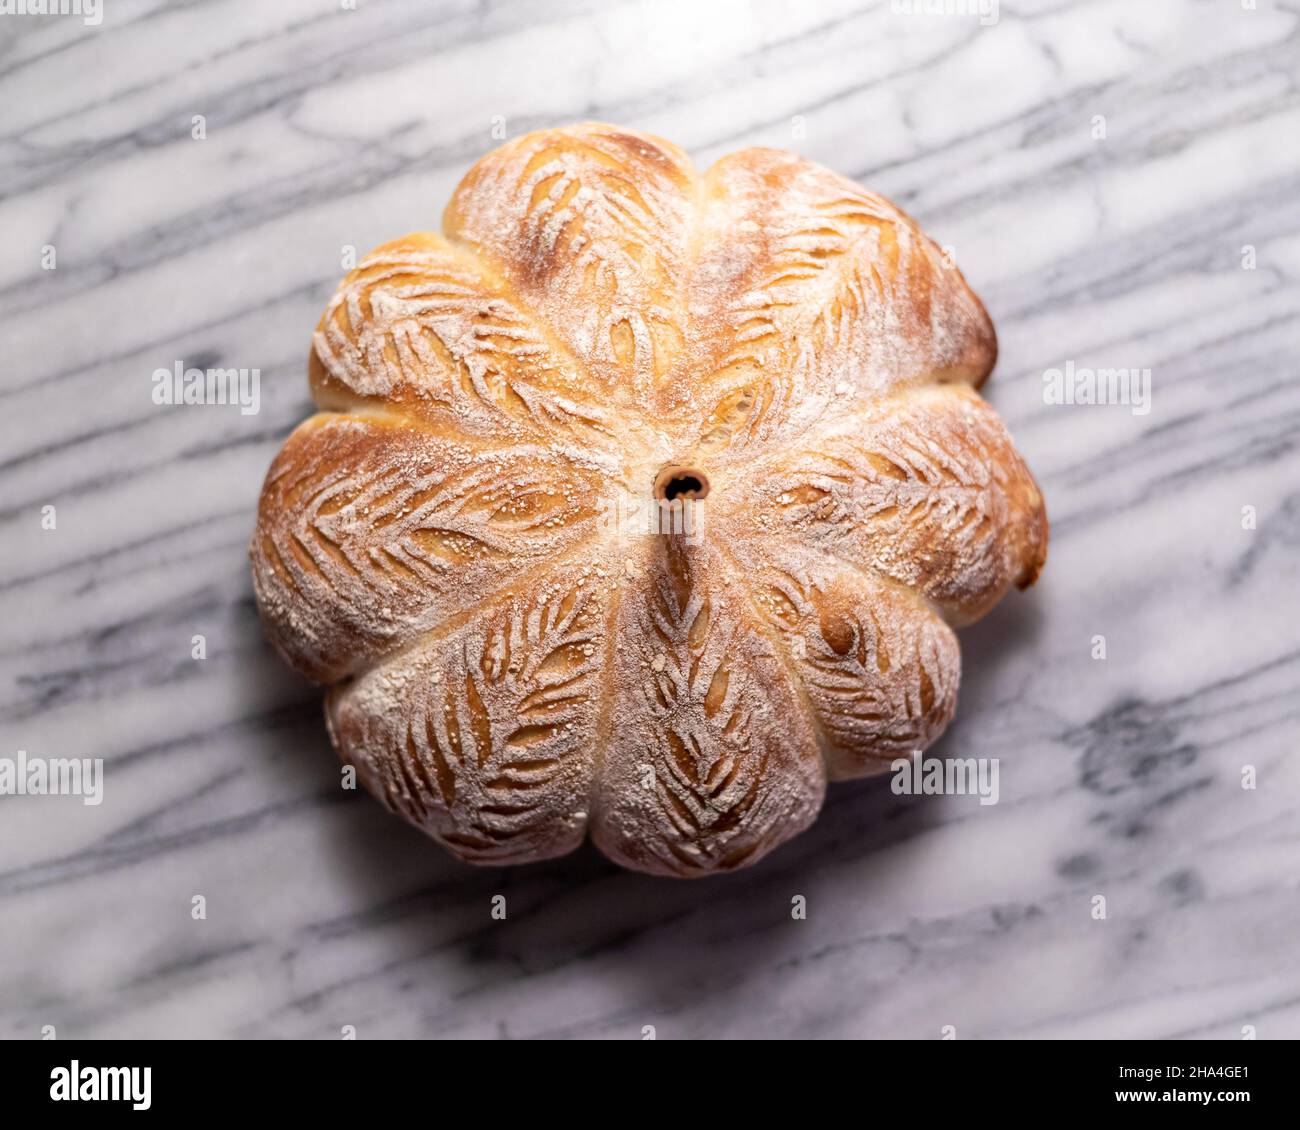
[641, 502]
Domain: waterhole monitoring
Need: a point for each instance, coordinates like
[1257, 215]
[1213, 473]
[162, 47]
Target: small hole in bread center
[675, 483]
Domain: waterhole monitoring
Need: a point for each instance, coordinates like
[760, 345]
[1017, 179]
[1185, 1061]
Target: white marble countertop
[327, 127]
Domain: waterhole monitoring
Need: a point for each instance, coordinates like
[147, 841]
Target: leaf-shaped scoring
[484, 735]
[590, 224]
[807, 288]
[711, 761]
[925, 487]
[593, 313]
[371, 532]
[879, 668]
[423, 329]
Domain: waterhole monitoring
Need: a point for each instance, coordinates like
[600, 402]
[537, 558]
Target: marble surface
[325, 127]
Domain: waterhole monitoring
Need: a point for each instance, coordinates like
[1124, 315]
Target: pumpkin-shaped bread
[641, 502]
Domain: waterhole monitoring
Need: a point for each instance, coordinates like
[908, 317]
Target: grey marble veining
[327, 128]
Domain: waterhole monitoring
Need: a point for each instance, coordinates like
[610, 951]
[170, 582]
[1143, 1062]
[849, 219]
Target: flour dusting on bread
[513, 666]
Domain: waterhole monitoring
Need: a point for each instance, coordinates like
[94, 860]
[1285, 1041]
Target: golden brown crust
[590, 225]
[482, 734]
[925, 487]
[448, 540]
[808, 291]
[371, 532]
[878, 667]
[712, 760]
[424, 329]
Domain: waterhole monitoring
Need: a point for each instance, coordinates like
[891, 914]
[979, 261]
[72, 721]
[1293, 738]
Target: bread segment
[808, 291]
[371, 532]
[878, 667]
[425, 330]
[711, 761]
[484, 735]
[925, 487]
[591, 226]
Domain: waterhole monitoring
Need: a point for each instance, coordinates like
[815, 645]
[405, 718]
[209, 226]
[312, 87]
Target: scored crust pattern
[511, 666]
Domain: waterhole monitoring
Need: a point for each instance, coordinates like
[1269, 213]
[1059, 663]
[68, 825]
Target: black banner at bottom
[343, 1077]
